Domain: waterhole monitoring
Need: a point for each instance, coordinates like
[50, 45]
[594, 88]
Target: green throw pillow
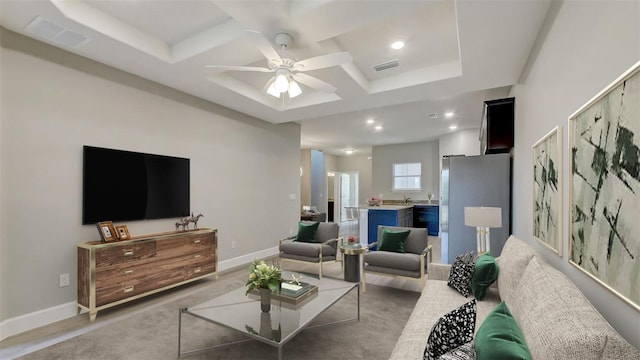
[499, 337]
[307, 232]
[393, 240]
[485, 273]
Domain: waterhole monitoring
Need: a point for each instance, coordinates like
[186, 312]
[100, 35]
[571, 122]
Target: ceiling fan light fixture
[294, 89]
[282, 81]
[271, 90]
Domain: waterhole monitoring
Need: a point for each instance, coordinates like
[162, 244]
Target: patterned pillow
[461, 273]
[451, 330]
[463, 352]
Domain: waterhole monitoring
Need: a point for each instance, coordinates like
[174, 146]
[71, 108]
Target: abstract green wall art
[546, 190]
[604, 188]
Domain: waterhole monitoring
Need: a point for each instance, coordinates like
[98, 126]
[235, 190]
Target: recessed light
[397, 45]
[453, 127]
[448, 114]
[349, 151]
[378, 127]
[370, 121]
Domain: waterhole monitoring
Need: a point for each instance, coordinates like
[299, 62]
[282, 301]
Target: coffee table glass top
[242, 313]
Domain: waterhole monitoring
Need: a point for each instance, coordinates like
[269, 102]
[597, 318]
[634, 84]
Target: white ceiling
[457, 55]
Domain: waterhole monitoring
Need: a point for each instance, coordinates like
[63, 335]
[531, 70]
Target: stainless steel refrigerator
[483, 180]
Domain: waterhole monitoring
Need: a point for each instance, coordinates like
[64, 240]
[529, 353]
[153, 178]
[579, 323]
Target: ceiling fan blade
[323, 61]
[314, 83]
[240, 68]
[264, 46]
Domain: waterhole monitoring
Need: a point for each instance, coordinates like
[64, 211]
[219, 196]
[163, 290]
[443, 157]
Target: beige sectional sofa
[556, 319]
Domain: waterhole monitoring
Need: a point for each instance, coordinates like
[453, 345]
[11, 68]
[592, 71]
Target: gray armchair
[411, 264]
[324, 250]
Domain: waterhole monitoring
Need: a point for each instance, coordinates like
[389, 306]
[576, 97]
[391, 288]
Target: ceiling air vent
[387, 65]
[54, 32]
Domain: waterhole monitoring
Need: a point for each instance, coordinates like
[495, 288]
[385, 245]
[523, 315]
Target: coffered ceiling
[457, 54]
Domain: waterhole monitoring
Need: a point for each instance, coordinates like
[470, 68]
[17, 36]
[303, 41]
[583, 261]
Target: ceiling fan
[288, 72]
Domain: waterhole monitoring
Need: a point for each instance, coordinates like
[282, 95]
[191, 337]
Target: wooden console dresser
[113, 273]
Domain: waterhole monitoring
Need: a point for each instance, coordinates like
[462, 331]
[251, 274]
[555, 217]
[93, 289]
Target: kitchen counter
[387, 207]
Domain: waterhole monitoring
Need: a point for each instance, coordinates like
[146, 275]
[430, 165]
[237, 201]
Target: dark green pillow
[307, 232]
[485, 273]
[499, 337]
[393, 240]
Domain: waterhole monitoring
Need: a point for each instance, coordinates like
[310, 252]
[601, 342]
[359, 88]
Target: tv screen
[124, 185]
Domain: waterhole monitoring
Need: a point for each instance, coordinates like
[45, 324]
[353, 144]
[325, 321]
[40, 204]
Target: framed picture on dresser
[604, 187]
[107, 231]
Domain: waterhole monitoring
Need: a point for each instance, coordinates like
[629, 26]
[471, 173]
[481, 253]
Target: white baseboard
[245, 259]
[26, 322]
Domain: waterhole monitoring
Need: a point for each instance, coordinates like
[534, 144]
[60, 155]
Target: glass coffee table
[240, 312]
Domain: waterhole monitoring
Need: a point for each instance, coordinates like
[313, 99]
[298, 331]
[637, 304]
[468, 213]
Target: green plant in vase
[263, 276]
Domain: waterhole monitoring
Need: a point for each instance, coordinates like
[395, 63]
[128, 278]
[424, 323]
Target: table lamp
[483, 218]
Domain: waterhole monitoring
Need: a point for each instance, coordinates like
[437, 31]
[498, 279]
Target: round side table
[351, 257]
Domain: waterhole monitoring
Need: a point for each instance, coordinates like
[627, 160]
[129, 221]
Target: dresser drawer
[125, 253]
[106, 294]
[184, 245]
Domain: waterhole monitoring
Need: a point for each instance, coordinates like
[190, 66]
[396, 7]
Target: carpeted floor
[153, 333]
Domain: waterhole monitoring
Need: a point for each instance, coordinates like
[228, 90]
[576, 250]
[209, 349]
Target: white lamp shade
[282, 83]
[271, 90]
[294, 89]
[490, 217]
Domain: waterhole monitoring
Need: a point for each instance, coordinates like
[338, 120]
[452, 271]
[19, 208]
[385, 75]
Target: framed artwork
[547, 205]
[123, 232]
[604, 189]
[107, 231]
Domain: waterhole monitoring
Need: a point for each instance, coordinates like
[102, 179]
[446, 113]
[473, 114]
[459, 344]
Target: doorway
[346, 192]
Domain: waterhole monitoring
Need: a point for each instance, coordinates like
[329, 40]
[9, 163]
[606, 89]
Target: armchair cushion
[307, 249]
[388, 259]
[393, 240]
[307, 231]
[417, 239]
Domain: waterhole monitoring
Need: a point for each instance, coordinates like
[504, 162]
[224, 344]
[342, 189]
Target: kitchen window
[406, 176]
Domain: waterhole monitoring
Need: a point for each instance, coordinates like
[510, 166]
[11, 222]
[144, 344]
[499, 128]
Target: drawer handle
[128, 252]
[196, 241]
[197, 270]
[128, 272]
[128, 289]
[197, 256]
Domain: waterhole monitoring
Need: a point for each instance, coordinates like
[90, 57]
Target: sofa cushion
[499, 337]
[388, 259]
[437, 299]
[453, 329]
[461, 273]
[393, 240]
[307, 231]
[513, 260]
[484, 274]
[558, 322]
[463, 352]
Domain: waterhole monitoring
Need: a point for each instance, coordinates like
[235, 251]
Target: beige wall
[54, 102]
[426, 153]
[585, 45]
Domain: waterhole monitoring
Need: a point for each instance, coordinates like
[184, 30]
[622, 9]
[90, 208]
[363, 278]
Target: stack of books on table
[294, 290]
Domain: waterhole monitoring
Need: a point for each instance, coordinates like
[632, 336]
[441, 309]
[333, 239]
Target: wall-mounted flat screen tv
[123, 185]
